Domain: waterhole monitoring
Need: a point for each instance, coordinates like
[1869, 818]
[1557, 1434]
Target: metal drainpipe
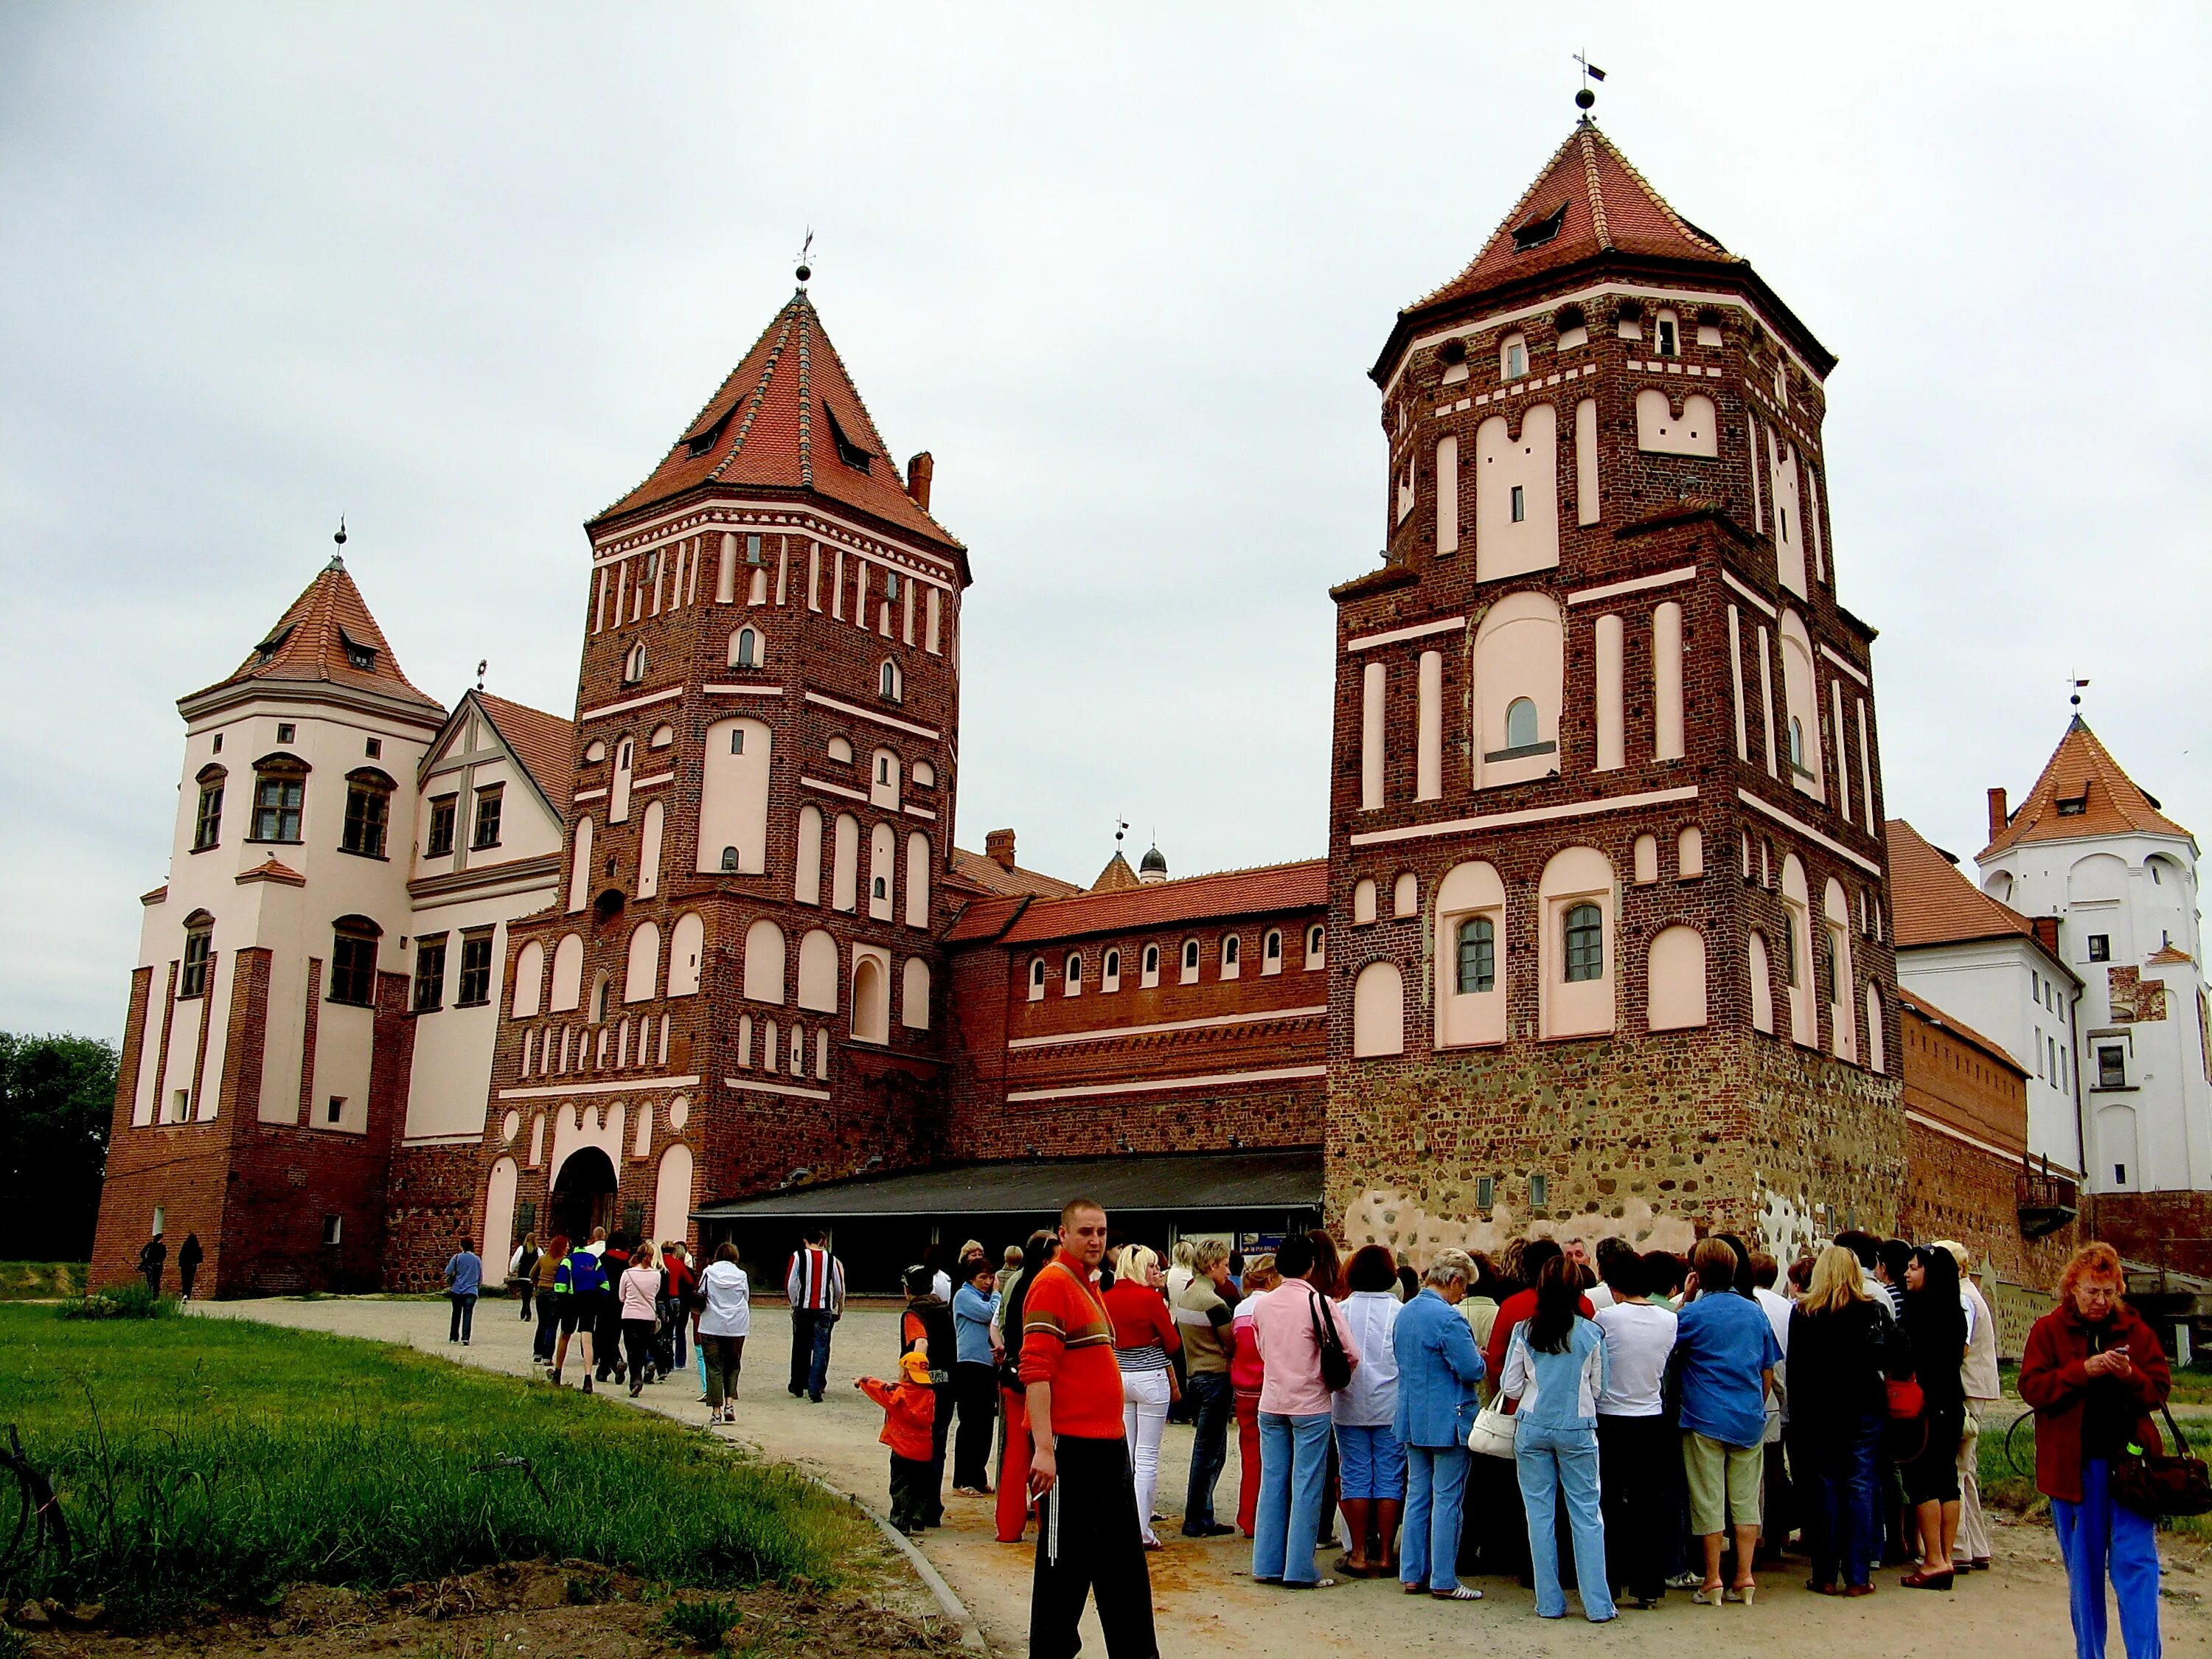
[2073, 1048]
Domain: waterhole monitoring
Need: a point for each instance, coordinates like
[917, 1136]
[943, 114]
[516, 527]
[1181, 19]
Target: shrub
[702, 1623]
[132, 1301]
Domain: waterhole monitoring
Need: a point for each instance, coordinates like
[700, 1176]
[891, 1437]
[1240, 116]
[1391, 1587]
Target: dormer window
[270, 646]
[1513, 356]
[1667, 335]
[847, 451]
[357, 655]
[2073, 808]
[1537, 232]
[706, 437]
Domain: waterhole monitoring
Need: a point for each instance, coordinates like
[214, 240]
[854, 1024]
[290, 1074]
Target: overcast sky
[463, 273]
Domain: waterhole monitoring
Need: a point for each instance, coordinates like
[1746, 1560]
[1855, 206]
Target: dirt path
[2016, 1610]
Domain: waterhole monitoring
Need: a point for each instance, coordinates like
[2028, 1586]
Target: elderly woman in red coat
[2094, 1371]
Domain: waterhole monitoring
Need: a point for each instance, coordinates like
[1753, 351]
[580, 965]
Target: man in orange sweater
[910, 1411]
[1089, 1538]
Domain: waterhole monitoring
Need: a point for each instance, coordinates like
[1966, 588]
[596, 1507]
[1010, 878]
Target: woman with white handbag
[1554, 1375]
[1438, 1366]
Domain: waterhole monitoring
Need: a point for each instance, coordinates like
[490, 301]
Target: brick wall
[2161, 1230]
[1955, 1190]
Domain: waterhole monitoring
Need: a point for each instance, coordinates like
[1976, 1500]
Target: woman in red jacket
[1144, 1336]
[2094, 1371]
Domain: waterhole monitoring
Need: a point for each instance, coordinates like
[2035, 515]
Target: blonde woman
[1143, 1337]
[1845, 1346]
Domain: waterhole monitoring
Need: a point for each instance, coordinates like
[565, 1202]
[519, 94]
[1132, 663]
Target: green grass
[38, 1281]
[216, 1460]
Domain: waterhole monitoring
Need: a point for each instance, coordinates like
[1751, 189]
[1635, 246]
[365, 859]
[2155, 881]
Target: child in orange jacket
[909, 1414]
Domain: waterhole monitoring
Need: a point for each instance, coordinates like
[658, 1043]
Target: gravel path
[1205, 1604]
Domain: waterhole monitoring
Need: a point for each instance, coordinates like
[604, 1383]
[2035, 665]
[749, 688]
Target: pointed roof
[1933, 902]
[1604, 204]
[328, 635]
[1116, 876]
[788, 416]
[2082, 793]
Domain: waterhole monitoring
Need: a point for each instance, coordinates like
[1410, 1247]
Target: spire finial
[2077, 687]
[1587, 95]
[337, 559]
[805, 270]
[483, 663]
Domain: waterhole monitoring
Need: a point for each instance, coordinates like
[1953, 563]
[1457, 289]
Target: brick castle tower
[1607, 894]
[738, 986]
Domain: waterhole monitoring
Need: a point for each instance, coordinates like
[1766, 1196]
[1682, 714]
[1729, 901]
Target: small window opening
[286, 731]
[1520, 504]
[1539, 1191]
[376, 749]
[1665, 338]
[1520, 723]
[1485, 1191]
[891, 683]
[752, 550]
[1478, 955]
[1537, 232]
[729, 860]
[2100, 947]
[747, 654]
[1585, 944]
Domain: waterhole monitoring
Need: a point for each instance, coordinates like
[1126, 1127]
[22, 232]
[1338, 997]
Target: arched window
[1512, 357]
[1762, 983]
[1666, 335]
[1072, 977]
[1271, 951]
[1585, 941]
[567, 973]
[369, 812]
[207, 822]
[1796, 743]
[818, 972]
[1378, 1011]
[1520, 723]
[529, 980]
[641, 981]
[280, 795]
[1110, 971]
[597, 1013]
[1797, 952]
[913, 995]
[1874, 1029]
[729, 860]
[745, 648]
[1150, 972]
[633, 664]
[890, 683]
[199, 949]
[1476, 949]
[1317, 946]
[1232, 956]
[1036, 979]
[1189, 960]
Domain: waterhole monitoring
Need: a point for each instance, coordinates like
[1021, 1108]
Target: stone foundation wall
[1658, 1138]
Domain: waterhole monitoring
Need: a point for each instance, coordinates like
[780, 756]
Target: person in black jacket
[1936, 1325]
[189, 1257]
[929, 1319]
[1843, 1346]
[151, 1261]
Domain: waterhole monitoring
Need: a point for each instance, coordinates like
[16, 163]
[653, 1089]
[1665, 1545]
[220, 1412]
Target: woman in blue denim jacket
[1438, 1366]
[1554, 1372]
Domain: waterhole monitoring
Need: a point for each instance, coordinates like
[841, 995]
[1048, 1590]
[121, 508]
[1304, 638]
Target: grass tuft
[702, 1623]
[203, 1459]
[120, 1302]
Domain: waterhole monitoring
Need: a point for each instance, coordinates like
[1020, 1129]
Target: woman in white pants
[1143, 1337]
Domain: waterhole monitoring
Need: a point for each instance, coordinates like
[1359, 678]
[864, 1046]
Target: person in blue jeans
[464, 1281]
[1554, 1374]
[1846, 1346]
[1294, 1421]
[1438, 1366]
[2094, 1371]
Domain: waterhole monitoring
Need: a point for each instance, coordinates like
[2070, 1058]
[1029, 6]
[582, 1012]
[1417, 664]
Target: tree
[57, 1098]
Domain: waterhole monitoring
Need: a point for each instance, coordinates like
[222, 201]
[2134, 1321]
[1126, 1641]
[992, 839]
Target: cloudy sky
[462, 273]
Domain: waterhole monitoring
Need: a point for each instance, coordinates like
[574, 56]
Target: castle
[1601, 942]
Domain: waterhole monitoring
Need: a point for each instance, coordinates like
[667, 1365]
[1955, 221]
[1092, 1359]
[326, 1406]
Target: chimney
[998, 844]
[919, 471]
[1998, 817]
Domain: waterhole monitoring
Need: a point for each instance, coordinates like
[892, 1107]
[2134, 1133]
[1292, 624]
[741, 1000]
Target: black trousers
[1088, 1542]
[976, 1387]
[637, 1348]
[1636, 1456]
[940, 1433]
[909, 1482]
[606, 1335]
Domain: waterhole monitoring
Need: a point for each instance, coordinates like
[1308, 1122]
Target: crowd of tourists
[1604, 1423]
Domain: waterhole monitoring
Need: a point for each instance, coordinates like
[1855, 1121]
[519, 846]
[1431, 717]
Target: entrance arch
[584, 1194]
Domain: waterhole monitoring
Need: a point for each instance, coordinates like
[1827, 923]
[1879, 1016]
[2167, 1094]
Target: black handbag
[1336, 1363]
[2163, 1483]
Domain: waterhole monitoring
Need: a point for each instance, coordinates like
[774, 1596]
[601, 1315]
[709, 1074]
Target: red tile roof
[769, 423]
[1116, 877]
[1609, 205]
[981, 870]
[544, 744]
[312, 640]
[1933, 902]
[983, 919]
[2080, 770]
[271, 869]
[1301, 886]
[1990, 1046]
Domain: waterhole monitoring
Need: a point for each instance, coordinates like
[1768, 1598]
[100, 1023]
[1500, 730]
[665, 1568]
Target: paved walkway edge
[971, 1632]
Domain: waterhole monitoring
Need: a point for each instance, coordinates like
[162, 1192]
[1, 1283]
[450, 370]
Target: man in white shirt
[1778, 1498]
[1978, 1375]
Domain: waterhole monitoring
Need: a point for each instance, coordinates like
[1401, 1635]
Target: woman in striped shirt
[1143, 1337]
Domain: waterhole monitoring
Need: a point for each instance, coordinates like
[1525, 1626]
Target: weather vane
[1587, 95]
[805, 270]
[2078, 686]
[1121, 828]
[340, 537]
[483, 663]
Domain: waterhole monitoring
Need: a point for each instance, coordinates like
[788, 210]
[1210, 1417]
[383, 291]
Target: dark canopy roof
[1280, 1179]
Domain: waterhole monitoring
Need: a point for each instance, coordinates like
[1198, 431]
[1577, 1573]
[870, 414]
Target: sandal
[1823, 1589]
[1927, 1580]
[1709, 1595]
[1458, 1593]
[1309, 1583]
[1745, 1594]
[1414, 1589]
[1351, 1568]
